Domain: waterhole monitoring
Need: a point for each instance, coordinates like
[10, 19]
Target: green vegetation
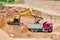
[11, 1]
[3, 0]
[0, 4]
[7, 1]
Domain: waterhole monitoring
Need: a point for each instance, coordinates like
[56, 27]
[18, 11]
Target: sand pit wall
[10, 12]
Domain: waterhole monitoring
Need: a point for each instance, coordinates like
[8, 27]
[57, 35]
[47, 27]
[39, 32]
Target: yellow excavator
[16, 20]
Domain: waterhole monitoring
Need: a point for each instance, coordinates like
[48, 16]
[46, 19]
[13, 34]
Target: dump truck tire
[50, 30]
[46, 31]
[32, 30]
[29, 29]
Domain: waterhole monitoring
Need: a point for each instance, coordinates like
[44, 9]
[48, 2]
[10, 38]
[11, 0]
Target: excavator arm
[25, 13]
[16, 20]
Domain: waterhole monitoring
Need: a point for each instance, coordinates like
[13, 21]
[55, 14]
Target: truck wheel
[35, 30]
[32, 30]
[29, 29]
[46, 30]
[50, 30]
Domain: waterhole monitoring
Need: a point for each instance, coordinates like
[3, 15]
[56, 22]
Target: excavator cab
[14, 21]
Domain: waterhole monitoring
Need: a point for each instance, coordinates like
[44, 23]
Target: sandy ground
[15, 32]
[51, 5]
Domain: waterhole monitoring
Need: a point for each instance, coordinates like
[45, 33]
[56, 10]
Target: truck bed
[34, 25]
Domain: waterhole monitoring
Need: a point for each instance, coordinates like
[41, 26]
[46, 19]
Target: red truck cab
[48, 27]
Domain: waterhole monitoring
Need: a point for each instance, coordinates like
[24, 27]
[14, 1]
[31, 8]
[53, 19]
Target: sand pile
[10, 13]
[2, 22]
[22, 31]
[4, 36]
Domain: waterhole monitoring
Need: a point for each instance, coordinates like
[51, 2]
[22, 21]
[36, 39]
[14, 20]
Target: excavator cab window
[16, 20]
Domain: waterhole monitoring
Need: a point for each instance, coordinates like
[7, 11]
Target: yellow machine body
[11, 21]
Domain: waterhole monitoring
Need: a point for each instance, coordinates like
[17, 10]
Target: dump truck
[43, 26]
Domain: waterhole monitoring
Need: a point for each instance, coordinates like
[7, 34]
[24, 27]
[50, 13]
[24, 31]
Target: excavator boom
[16, 20]
[25, 13]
